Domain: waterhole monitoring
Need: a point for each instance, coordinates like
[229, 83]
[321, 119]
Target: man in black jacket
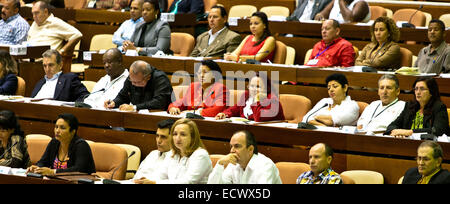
[429, 170]
[308, 9]
[145, 88]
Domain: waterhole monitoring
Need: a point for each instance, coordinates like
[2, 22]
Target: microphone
[409, 24]
[111, 181]
[9, 149]
[306, 125]
[81, 104]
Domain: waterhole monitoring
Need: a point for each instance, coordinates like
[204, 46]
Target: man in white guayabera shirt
[244, 165]
[379, 114]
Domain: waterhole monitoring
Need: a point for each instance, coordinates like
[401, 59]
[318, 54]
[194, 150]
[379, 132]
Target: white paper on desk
[280, 125]
[443, 75]
[277, 18]
[328, 129]
[17, 50]
[50, 102]
[233, 21]
[443, 138]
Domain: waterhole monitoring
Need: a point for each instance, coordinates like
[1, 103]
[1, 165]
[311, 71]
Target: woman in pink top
[258, 46]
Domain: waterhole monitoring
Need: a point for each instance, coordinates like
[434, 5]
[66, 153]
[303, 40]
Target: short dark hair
[223, 11]
[116, 53]
[328, 150]
[155, 4]
[163, 124]
[336, 23]
[340, 78]
[8, 121]
[213, 66]
[441, 24]
[250, 140]
[71, 120]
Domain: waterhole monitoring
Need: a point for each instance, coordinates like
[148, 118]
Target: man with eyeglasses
[429, 170]
[109, 86]
[145, 88]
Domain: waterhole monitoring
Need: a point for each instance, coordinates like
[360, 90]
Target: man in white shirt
[50, 30]
[148, 170]
[244, 165]
[307, 9]
[110, 85]
[379, 114]
[127, 28]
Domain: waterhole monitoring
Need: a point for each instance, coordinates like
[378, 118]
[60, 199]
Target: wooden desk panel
[10, 179]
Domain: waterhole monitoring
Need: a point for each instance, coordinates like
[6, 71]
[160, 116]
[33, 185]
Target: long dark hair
[264, 19]
[8, 121]
[435, 95]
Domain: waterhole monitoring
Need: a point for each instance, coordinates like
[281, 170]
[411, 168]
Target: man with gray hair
[145, 88]
[429, 166]
[57, 85]
[379, 114]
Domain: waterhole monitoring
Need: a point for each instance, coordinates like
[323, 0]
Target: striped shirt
[326, 177]
[14, 30]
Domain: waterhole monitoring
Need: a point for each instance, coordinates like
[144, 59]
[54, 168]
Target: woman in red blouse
[258, 46]
[209, 96]
[259, 103]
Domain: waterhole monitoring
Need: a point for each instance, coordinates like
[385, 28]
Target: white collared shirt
[346, 113]
[194, 169]
[149, 167]
[336, 13]
[307, 12]
[212, 37]
[260, 170]
[48, 89]
[377, 117]
[112, 89]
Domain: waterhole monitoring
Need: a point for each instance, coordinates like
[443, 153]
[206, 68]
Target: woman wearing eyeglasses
[425, 114]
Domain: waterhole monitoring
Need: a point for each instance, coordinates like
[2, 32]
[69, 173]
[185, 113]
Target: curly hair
[394, 32]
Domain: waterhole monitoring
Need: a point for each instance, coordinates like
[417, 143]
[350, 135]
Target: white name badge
[168, 17]
[312, 62]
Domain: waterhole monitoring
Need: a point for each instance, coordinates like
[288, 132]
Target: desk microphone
[306, 125]
[111, 181]
[9, 149]
[81, 104]
[409, 24]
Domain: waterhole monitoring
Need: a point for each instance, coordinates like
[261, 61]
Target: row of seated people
[145, 87]
[182, 158]
[148, 35]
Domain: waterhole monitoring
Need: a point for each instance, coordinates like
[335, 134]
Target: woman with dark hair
[383, 52]
[8, 72]
[13, 149]
[259, 103]
[66, 152]
[260, 45]
[339, 109]
[151, 35]
[425, 113]
[209, 95]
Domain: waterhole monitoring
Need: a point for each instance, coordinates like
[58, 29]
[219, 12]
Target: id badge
[312, 62]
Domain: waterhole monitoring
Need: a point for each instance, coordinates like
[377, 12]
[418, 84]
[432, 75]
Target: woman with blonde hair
[383, 52]
[188, 162]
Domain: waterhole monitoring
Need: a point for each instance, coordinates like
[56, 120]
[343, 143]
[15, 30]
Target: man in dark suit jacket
[429, 170]
[57, 85]
[145, 88]
[219, 40]
[318, 6]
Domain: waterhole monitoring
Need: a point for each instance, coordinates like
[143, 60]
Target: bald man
[109, 86]
[145, 88]
[320, 158]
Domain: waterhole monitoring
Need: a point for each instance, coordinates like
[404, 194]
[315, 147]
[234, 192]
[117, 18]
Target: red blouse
[250, 49]
[262, 111]
[215, 102]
